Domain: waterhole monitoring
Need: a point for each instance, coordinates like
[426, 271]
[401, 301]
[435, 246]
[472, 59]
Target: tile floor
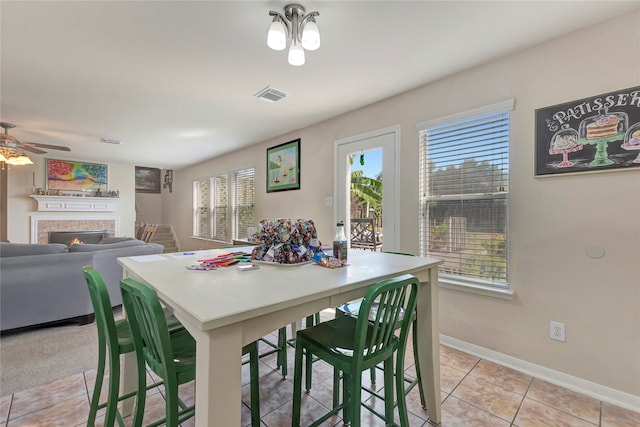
[474, 392]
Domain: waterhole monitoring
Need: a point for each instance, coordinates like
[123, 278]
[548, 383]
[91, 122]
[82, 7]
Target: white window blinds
[464, 186]
[201, 208]
[242, 202]
[223, 205]
[220, 211]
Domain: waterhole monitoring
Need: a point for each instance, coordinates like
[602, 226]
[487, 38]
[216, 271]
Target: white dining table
[225, 309]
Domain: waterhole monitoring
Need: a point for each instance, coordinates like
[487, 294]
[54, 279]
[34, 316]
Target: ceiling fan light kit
[12, 150]
[296, 27]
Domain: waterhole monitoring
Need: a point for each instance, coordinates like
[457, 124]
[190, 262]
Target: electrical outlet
[556, 331]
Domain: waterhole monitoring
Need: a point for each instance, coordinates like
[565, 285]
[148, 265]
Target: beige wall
[21, 207]
[149, 208]
[552, 220]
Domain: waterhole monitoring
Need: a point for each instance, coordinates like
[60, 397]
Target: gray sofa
[44, 283]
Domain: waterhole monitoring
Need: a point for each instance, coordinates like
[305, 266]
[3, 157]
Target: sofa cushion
[23, 249]
[108, 240]
[93, 247]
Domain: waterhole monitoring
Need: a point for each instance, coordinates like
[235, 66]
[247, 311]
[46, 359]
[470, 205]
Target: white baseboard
[588, 388]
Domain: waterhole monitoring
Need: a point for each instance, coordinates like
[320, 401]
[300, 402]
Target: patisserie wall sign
[601, 132]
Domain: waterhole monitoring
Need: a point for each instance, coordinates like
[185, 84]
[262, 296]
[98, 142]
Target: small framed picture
[147, 180]
[283, 167]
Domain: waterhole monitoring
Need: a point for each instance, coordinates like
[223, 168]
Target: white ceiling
[174, 81]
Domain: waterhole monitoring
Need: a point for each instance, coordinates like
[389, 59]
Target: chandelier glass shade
[297, 28]
[11, 157]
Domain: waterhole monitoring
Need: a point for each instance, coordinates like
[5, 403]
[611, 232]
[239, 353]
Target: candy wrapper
[328, 261]
[284, 241]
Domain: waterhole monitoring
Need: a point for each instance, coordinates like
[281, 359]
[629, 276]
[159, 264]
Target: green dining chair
[172, 357]
[352, 309]
[114, 339]
[353, 345]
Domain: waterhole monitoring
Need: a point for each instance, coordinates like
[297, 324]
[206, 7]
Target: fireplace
[72, 237]
[41, 226]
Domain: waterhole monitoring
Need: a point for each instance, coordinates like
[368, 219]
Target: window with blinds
[242, 203]
[201, 208]
[223, 205]
[220, 211]
[464, 187]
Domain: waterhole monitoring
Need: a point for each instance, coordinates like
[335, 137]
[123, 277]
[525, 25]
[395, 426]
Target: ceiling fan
[11, 145]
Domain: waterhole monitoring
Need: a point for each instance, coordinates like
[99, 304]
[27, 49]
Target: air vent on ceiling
[270, 94]
[110, 141]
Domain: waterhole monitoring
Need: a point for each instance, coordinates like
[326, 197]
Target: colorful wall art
[68, 175]
[598, 133]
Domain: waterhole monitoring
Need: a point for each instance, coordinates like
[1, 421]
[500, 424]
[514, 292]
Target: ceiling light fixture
[297, 28]
[12, 150]
[11, 157]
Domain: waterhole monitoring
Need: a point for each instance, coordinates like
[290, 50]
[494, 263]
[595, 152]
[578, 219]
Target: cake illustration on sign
[565, 141]
[601, 130]
[604, 127]
[632, 140]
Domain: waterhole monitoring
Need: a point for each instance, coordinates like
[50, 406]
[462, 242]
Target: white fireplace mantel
[75, 204]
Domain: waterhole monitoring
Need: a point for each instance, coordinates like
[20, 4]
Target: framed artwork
[598, 133]
[147, 180]
[283, 167]
[66, 175]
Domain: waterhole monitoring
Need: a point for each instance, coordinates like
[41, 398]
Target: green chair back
[105, 322]
[170, 356]
[385, 304]
[352, 345]
[149, 326]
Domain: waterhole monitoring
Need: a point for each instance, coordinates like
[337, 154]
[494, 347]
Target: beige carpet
[39, 356]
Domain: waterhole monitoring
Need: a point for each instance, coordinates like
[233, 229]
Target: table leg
[218, 376]
[429, 343]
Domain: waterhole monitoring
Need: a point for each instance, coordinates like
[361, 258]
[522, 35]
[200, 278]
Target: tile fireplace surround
[41, 226]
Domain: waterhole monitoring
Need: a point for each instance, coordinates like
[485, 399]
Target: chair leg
[95, 397]
[141, 394]
[172, 402]
[388, 389]
[401, 395]
[297, 387]
[282, 353]
[308, 368]
[346, 396]
[414, 330]
[356, 399]
[336, 387]
[254, 376]
[114, 389]
[310, 321]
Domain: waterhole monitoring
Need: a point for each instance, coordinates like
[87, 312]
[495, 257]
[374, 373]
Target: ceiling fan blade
[49, 146]
[31, 149]
[6, 138]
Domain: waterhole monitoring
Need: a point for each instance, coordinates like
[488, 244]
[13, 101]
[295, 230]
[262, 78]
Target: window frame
[219, 230]
[458, 282]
